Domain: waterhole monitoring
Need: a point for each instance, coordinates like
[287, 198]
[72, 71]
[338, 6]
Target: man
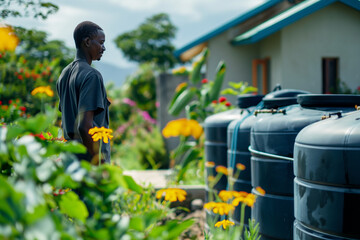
[83, 98]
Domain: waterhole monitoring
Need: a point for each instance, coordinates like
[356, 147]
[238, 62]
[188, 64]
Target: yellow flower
[219, 207]
[224, 223]
[209, 164]
[222, 169]
[180, 86]
[260, 190]
[240, 166]
[226, 195]
[182, 127]
[8, 39]
[47, 90]
[172, 194]
[101, 133]
[248, 199]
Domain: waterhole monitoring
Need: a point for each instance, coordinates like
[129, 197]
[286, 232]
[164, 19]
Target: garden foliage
[46, 193]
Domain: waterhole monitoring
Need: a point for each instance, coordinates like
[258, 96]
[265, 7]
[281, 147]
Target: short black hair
[83, 30]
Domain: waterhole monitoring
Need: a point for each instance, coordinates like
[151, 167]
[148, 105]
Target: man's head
[90, 37]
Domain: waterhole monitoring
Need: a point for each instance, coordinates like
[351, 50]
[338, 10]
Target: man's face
[97, 46]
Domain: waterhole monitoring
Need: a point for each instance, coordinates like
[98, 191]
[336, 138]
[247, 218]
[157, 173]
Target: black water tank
[327, 182]
[272, 144]
[215, 135]
[238, 144]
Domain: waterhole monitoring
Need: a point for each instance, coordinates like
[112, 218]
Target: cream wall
[271, 48]
[237, 60]
[330, 32]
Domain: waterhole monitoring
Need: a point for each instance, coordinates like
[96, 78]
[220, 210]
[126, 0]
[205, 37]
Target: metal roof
[286, 18]
[270, 26]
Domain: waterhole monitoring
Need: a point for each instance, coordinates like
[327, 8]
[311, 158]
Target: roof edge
[257, 35]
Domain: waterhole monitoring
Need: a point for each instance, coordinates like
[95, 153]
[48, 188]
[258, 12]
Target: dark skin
[91, 49]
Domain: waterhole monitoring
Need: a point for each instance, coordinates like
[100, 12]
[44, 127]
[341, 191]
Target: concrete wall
[330, 32]
[237, 59]
[165, 90]
[271, 48]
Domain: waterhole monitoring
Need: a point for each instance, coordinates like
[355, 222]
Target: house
[301, 44]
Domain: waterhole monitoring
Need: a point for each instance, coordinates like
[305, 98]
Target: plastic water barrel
[272, 141]
[215, 127]
[239, 142]
[327, 182]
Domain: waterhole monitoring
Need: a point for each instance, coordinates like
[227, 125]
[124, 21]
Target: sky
[193, 18]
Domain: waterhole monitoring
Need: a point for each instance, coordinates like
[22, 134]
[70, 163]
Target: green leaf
[205, 97]
[132, 185]
[73, 207]
[137, 224]
[236, 85]
[195, 75]
[177, 95]
[182, 100]
[11, 203]
[191, 155]
[249, 89]
[183, 147]
[171, 229]
[219, 78]
[229, 91]
[14, 131]
[36, 124]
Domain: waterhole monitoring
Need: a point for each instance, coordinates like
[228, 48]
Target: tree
[36, 8]
[34, 45]
[150, 42]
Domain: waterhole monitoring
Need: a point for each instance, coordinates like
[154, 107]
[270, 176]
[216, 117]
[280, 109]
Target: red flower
[41, 136]
[214, 102]
[227, 104]
[23, 108]
[0, 102]
[204, 81]
[222, 99]
[20, 77]
[10, 101]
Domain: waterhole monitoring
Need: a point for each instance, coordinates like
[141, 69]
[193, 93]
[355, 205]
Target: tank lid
[248, 100]
[279, 102]
[284, 93]
[328, 100]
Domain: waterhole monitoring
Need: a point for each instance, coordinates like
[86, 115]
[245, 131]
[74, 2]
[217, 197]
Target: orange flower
[209, 164]
[249, 199]
[183, 127]
[172, 194]
[226, 195]
[219, 207]
[47, 90]
[222, 169]
[240, 166]
[101, 133]
[260, 190]
[224, 223]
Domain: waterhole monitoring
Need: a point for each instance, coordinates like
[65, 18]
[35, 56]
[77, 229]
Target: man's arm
[84, 126]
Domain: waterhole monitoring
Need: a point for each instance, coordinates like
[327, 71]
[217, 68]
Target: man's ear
[87, 41]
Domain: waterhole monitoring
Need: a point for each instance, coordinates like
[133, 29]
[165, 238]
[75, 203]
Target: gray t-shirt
[81, 88]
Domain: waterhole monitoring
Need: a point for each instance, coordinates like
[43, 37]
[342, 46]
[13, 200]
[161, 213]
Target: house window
[330, 74]
[260, 73]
